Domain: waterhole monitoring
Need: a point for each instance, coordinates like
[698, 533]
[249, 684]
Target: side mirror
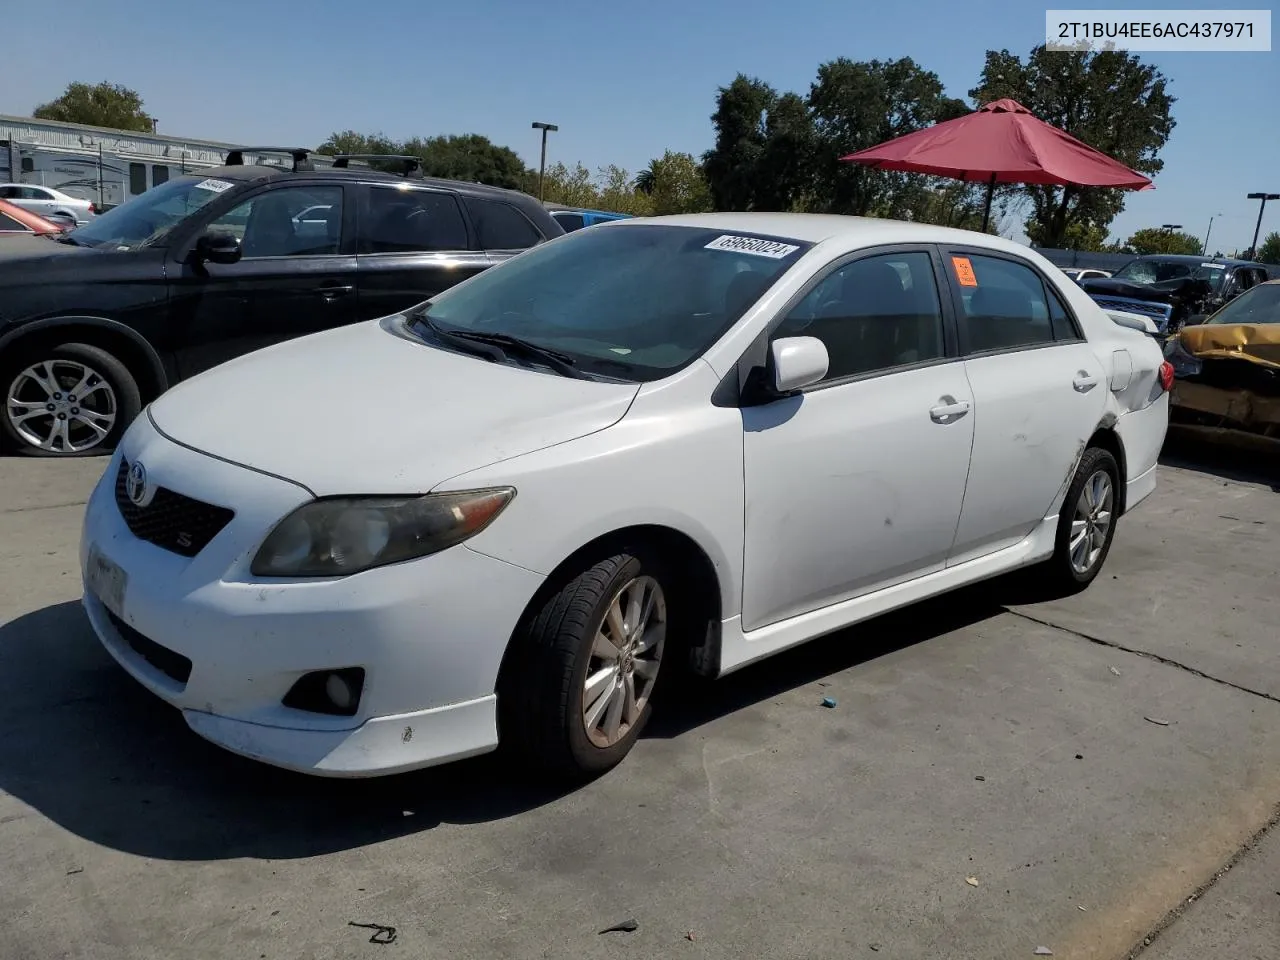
[797, 362]
[217, 247]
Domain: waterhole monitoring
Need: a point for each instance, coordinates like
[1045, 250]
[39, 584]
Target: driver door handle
[949, 410]
[332, 291]
[1084, 382]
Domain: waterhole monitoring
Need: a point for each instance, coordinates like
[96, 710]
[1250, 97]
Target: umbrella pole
[986, 211]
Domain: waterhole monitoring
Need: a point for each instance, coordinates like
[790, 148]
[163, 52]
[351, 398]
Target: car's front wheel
[1087, 523]
[579, 687]
[70, 400]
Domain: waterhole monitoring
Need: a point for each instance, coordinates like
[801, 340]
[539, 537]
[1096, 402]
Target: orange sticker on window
[964, 271]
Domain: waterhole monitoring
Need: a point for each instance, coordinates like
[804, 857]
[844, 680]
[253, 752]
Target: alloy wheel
[62, 406]
[1092, 522]
[626, 653]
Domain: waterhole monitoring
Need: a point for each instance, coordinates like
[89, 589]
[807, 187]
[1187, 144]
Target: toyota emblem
[135, 483]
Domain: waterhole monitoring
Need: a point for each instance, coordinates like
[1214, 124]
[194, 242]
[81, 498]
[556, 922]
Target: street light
[1171, 226]
[1205, 249]
[1264, 197]
[542, 167]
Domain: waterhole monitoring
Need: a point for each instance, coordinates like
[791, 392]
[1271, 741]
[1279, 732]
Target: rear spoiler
[1134, 321]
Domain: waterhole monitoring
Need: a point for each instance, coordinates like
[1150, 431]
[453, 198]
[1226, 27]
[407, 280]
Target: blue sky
[623, 81]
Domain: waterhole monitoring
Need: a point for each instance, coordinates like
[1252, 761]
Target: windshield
[1259, 305]
[638, 301]
[147, 220]
[1157, 271]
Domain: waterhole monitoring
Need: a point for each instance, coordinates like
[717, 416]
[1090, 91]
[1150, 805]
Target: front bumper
[430, 634]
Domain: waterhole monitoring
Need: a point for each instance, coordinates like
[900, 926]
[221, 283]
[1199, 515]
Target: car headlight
[343, 535]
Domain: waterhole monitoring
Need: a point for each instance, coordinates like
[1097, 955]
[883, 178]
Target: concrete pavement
[984, 735]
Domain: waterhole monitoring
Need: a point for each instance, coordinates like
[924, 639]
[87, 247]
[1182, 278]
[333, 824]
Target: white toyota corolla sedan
[687, 443]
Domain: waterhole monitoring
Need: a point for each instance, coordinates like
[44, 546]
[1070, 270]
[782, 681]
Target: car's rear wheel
[1087, 523]
[579, 686]
[71, 400]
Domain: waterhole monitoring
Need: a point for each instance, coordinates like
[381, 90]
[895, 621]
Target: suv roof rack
[410, 167]
[300, 155]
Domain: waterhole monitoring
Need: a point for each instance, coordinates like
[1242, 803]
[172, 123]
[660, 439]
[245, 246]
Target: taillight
[1166, 376]
[93, 208]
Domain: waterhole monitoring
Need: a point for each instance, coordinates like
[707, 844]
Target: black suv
[210, 266]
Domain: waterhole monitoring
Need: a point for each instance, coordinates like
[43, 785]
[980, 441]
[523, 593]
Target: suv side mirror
[217, 247]
[797, 362]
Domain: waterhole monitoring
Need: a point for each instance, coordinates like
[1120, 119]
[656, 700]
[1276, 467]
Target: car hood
[18, 251]
[362, 410]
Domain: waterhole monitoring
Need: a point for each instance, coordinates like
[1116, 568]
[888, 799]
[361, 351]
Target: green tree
[1269, 251]
[732, 165]
[1156, 240]
[855, 105]
[675, 184]
[468, 156]
[1085, 236]
[785, 167]
[571, 187]
[99, 105]
[1109, 99]
[349, 141]
[618, 193]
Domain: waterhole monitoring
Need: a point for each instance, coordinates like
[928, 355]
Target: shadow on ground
[89, 749]
[1193, 450]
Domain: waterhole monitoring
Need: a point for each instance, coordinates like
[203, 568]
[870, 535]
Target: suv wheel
[72, 400]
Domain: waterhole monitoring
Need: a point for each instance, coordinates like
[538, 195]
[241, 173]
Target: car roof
[852, 232]
[250, 173]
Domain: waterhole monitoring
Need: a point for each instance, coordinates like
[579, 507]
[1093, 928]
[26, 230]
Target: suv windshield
[1157, 271]
[1259, 305]
[147, 220]
[637, 300]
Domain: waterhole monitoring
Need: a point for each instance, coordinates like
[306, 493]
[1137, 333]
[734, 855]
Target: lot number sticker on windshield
[217, 186]
[754, 246]
[964, 271]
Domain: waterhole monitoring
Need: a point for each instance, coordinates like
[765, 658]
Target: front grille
[171, 520]
[1159, 311]
[173, 665]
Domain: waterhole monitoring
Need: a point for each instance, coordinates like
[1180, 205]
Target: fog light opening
[332, 692]
[339, 692]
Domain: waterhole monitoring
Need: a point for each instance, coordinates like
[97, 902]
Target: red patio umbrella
[1001, 142]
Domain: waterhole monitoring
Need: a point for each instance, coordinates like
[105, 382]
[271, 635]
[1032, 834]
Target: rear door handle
[1084, 382]
[949, 410]
[332, 291]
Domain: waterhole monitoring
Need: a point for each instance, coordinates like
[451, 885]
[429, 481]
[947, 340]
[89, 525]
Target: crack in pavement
[1175, 914]
[1145, 654]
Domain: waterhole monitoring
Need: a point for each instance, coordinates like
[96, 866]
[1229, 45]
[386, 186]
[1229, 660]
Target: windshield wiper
[68, 239]
[501, 345]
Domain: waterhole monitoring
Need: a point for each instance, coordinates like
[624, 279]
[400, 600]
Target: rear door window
[1005, 305]
[500, 226]
[405, 221]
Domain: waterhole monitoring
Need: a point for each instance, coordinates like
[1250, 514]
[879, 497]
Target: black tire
[1058, 573]
[541, 691]
[125, 400]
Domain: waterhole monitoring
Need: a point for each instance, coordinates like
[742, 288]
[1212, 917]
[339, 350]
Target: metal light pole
[542, 167]
[1204, 251]
[1264, 197]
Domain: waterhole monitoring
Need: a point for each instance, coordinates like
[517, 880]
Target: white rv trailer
[103, 165]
